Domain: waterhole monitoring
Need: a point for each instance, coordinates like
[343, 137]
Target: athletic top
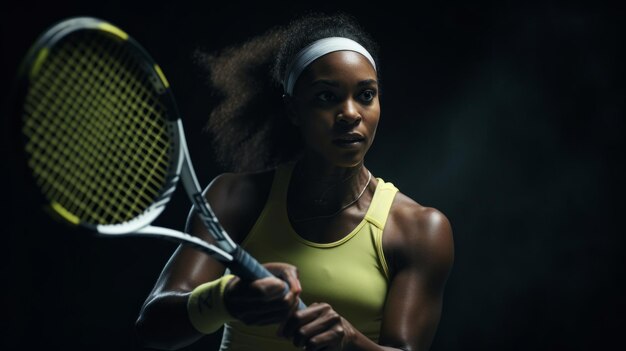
[350, 274]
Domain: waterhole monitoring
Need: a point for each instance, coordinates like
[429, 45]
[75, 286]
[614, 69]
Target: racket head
[99, 127]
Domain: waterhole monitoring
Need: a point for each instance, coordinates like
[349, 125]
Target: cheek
[372, 120]
[315, 122]
[373, 129]
[312, 128]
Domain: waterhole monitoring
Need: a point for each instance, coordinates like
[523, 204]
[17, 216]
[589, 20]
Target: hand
[262, 302]
[318, 327]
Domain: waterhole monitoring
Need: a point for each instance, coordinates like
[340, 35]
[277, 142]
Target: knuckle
[293, 271]
[257, 285]
[325, 307]
[287, 302]
[298, 315]
[288, 298]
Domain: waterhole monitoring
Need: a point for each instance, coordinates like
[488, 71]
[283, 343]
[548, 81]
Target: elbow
[163, 324]
[162, 331]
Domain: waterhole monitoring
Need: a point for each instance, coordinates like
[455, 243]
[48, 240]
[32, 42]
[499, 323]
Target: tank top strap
[381, 203]
[278, 192]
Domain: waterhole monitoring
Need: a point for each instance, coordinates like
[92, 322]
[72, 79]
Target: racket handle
[248, 268]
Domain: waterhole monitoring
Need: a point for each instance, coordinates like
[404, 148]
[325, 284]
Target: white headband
[316, 50]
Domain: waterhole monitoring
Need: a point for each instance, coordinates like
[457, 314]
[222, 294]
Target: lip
[349, 141]
[349, 138]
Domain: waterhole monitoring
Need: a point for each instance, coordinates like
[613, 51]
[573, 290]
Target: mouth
[350, 139]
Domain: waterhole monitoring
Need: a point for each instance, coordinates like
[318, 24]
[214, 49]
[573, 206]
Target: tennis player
[299, 110]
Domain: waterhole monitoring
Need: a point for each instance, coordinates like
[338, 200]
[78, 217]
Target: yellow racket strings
[97, 140]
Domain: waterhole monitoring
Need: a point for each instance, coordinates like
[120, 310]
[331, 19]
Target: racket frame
[180, 165]
[236, 259]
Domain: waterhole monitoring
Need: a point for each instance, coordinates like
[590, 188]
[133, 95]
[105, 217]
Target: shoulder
[418, 235]
[237, 199]
[228, 185]
[418, 222]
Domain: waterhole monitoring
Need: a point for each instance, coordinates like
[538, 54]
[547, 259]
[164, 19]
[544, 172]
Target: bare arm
[420, 242]
[423, 255]
[163, 322]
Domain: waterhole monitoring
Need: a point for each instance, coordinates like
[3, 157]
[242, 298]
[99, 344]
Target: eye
[367, 95]
[326, 96]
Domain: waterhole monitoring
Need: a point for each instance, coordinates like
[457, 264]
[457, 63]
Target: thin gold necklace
[369, 179]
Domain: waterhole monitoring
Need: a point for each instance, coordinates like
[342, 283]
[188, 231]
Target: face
[335, 105]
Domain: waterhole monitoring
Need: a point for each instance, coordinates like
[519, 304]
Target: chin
[340, 157]
[347, 161]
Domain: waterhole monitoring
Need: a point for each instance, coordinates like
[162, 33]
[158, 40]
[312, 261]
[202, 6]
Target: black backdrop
[509, 118]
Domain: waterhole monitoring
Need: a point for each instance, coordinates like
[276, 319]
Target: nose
[349, 113]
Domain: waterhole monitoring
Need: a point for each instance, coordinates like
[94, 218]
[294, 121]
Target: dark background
[508, 117]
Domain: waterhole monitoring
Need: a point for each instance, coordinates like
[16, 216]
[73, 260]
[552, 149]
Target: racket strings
[98, 142]
[105, 120]
[73, 143]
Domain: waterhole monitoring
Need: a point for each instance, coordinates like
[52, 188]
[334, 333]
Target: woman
[369, 262]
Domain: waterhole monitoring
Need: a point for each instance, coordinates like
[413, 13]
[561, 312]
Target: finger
[286, 272]
[283, 305]
[328, 340]
[260, 289]
[300, 318]
[259, 310]
[327, 321]
[291, 277]
[269, 288]
[294, 307]
[243, 299]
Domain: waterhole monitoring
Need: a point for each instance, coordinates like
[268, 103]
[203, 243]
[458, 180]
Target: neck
[321, 187]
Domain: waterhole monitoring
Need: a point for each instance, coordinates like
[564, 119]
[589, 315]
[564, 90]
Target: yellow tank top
[350, 274]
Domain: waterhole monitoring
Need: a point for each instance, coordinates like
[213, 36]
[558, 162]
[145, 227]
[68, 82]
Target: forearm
[164, 323]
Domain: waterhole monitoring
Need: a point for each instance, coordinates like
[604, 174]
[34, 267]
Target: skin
[335, 95]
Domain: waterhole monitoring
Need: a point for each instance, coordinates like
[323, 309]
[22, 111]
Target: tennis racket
[104, 141]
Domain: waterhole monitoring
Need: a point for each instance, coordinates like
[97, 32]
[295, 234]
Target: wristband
[205, 305]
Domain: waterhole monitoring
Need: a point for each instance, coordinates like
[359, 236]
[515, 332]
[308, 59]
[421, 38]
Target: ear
[290, 107]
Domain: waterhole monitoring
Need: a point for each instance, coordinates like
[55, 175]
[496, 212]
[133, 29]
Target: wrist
[354, 340]
[350, 338]
[205, 305]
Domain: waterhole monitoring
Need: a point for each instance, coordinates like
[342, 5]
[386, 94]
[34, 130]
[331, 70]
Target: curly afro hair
[249, 127]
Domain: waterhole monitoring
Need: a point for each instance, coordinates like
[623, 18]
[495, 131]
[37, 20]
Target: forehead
[338, 64]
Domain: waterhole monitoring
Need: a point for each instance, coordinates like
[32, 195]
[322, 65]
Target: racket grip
[248, 268]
